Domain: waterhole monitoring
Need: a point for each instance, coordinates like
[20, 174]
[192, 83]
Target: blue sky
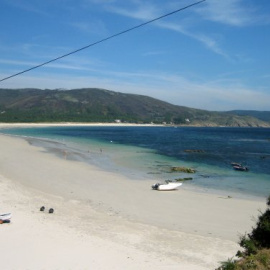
[212, 56]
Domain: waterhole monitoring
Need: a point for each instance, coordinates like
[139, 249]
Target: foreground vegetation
[256, 247]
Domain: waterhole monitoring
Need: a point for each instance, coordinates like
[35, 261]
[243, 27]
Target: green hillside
[99, 105]
[262, 115]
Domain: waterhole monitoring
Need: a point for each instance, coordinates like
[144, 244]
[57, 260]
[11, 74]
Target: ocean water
[150, 152]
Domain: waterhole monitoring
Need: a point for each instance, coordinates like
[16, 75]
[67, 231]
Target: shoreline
[183, 228]
[92, 157]
[60, 124]
[60, 148]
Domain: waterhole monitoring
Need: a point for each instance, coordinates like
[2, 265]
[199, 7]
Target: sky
[213, 56]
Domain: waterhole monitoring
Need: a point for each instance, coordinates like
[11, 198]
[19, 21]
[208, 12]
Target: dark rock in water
[194, 151]
[42, 208]
[182, 169]
[51, 211]
[204, 176]
[183, 179]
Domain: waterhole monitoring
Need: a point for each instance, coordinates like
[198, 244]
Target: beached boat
[169, 186]
[6, 216]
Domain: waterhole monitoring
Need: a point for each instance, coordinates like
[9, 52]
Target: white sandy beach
[103, 220]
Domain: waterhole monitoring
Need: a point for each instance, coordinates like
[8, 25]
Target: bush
[228, 265]
[256, 245]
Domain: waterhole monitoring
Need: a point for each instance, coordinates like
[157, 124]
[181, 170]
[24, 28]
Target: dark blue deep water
[218, 147]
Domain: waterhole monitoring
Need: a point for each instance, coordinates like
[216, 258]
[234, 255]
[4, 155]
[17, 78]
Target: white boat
[169, 186]
[6, 216]
[240, 168]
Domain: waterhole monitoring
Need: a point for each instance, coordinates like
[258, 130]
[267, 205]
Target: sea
[149, 152]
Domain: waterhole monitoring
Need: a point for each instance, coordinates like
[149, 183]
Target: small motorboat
[240, 168]
[236, 164]
[168, 186]
[6, 216]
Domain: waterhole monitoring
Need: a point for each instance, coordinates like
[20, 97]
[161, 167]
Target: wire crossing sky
[103, 40]
[214, 56]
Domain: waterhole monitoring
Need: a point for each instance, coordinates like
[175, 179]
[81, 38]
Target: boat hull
[5, 216]
[240, 168]
[170, 186]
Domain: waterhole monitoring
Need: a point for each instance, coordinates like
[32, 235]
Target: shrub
[256, 245]
[228, 265]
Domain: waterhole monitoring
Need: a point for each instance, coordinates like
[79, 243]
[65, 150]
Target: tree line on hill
[99, 105]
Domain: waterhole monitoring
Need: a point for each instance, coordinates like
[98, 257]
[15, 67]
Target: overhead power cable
[102, 40]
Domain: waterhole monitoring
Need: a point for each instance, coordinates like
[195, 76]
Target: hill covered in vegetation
[262, 115]
[99, 105]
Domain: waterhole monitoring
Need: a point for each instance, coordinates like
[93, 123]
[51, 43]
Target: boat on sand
[168, 186]
[6, 216]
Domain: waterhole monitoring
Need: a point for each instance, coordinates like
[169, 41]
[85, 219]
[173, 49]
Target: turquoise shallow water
[149, 153]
